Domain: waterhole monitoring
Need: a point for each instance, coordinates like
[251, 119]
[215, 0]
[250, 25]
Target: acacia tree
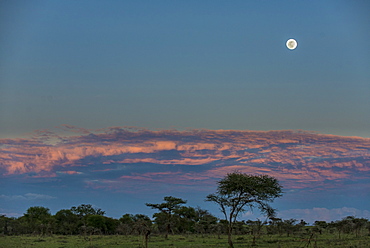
[238, 191]
[167, 208]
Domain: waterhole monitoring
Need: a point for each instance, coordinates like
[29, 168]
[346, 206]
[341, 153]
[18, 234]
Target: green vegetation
[178, 225]
[184, 241]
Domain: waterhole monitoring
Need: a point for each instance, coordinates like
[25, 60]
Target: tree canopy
[237, 192]
[167, 208]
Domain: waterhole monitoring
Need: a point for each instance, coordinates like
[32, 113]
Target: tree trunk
[229, 240]
[146, 238]
[168, 230]
[254, 240]
[6, 227]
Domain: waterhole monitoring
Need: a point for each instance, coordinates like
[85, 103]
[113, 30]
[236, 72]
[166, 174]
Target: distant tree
[96, 224]
[344, 226]
[237, 191]
[275, 226]
[111, 225]
[143, 225]
[19, 226]
[138, 223]
[66, 221]
[240, 227]
[86, 209]
[358, 225]
[167, 210]
[126, 224]
[350, 224]
[4, 222]
[256, 229]
[160, 221]
[38, 219]
[99, 224]
[186, 219]
[300, 226]
[289, 226]
[367, 226]
[320, 225]
[83, 211]
[127, 219]
[205, 221]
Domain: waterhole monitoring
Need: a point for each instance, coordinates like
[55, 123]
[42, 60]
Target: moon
[291, 44]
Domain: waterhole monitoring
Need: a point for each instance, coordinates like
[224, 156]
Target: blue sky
[178, 65]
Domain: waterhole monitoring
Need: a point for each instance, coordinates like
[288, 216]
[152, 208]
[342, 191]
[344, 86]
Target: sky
[119, 103]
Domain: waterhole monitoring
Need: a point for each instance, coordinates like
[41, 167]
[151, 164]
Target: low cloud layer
[310, 215]
[26, 197]
[323, 214]
[298, 158]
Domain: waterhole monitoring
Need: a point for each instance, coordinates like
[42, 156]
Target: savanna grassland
[177, 225]
[184, 241]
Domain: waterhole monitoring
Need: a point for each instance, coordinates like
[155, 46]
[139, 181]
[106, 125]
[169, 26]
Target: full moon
[291, 44]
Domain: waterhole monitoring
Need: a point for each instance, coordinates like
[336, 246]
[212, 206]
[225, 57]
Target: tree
[126, 224]
[143, 226]
[4, 221]
[359, 224]
[320, 225]
[255, 229]
[289, 226]
[205, 220]
[350, 224]
[186, 219]
[38, 219]
[111, 225]
[83, 211]
[237, 191]
[139, 223]
[86, 209]
[67, 221]
[96, 224]
[275, 226]
[167, 208]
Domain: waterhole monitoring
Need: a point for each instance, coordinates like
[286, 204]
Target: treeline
[172, 217]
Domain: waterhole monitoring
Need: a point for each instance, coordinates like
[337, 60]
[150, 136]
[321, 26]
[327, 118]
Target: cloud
[27, 197]
[69, 172]
[8, 213]
[324, 214]
[299, 159]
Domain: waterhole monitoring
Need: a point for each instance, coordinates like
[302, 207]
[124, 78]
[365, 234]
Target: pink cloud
[298, 158]
[70, 172]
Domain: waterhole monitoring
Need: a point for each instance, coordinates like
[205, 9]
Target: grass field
[182, 241]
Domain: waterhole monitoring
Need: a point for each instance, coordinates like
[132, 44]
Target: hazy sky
[197, 64]
[177, 65]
